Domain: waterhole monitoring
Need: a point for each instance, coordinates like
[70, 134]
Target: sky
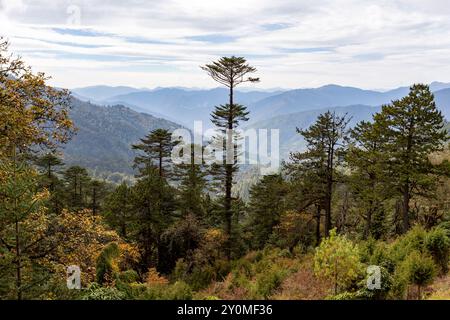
[292, 43]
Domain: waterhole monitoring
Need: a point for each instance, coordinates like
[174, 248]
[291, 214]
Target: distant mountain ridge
[187, 105]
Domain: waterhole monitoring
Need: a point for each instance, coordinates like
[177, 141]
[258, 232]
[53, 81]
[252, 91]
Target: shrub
[386, 283]
[180, 290]
[337, 260]
[414, 240]
[344, 296]
[270, 280]
[438, 245]
[97, 292]
[106, 268]
[153, 277]
[419, 269]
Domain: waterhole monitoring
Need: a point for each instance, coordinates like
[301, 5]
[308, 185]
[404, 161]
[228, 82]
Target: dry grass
[440, 290]
[303, 285]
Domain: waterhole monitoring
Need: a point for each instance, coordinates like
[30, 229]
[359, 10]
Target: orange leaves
[154, 278]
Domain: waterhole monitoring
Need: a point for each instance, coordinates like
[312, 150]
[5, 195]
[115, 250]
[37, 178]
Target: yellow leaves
[154, 278]
[337, 259]
[214, 235]
[30, 111]
[81, 237]
[42, 195]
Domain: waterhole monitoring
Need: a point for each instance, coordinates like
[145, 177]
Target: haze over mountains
[184, 106]
[119, 116]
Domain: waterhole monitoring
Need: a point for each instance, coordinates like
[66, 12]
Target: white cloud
[293, 43]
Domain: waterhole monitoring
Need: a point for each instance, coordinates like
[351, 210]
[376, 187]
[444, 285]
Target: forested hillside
[104, 135]
[359, 210]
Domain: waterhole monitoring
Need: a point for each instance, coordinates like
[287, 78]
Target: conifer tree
[23, 225]
[266, 205]
[325, 146]
[414, 127]
[192, 188]
[118, 209]
[230, 72]
[155, 150]
[369, 179]
[48, 165]
[77, 182]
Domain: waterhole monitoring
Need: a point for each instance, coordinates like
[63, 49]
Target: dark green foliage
[413, 128]
[106, 270]
[48, 165]
[231, 72]
[76, 180]
[367, 158]
[155, 150]
[437, 243]
[153, 205]
[325, 146]
[193, 184]
[181, 239]
[118, 209]
[266, 205]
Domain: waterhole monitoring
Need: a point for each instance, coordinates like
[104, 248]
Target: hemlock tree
[77, 182]
[230, 72]
[266, 205]
[98, 190]
[118, 209]
[369, 178]
[47, 166]
[155, 150]
[325, 147]
[192, 188]
[414, 128]
[153, 205]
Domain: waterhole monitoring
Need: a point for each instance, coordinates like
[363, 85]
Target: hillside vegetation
[362, 211]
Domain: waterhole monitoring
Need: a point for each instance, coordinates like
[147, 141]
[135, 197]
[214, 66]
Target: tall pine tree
[414, 127]
[230, 72]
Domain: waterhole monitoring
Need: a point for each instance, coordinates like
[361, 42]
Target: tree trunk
[368, 228]
[319, 209]
[405, 211]
[229, 180]
[17, 236]
[94, 201]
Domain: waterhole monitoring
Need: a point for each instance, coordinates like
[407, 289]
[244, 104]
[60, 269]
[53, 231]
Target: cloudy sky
[293, 43]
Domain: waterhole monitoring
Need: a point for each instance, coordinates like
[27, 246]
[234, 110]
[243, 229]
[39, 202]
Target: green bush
[344, 296]
[337, 260]
[414, 240]
[180, 290]
[376, 294]
[267, 282]
[419, 269]
[97, 292]
[438, 245]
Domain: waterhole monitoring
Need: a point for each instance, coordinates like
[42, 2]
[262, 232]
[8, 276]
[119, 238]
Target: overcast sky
[294, 44]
